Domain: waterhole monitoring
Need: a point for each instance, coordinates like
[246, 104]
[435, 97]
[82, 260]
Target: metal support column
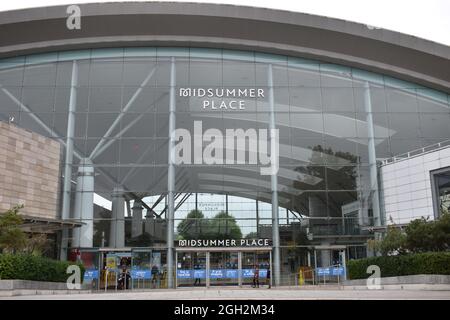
[136, 220]
[84, 205]
[117, 233]
[67, 186]
[171, 176]
[240, 268]
[274, 185]
[208, 280]
[372, 157]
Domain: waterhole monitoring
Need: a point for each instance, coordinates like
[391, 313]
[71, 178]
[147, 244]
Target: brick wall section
[29, 171]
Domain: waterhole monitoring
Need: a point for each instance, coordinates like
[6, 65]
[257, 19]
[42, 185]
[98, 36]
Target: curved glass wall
[113, 105]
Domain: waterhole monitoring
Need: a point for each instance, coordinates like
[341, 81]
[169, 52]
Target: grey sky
[425, 19]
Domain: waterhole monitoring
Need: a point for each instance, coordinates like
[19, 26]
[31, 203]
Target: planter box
[412, 282]
[28, 287]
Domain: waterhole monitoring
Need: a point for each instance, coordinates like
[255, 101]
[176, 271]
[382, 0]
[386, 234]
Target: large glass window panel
[137, 151]
[100, 123]
[340, 124]
[336, 199]
[380, 125]
[305, 99]
[338, 99]
[60, 124]
[306, 178]
[138, 125]
[342, 178]
[40, 75]
[138, 178]
[205, 72]
[306, 124]
[39, 99]
[9, 75]
[160, 153]
[140, 100]
[105, 99]
[399, 146]
[432, 101]
[303, 72]
[401, 100]
[434, 125]
[109, 155]
[378, 98]
[279, 69]
[340, 152]
[238, 69]
[106, 72]
[405, 125]
[7, 101]
[337, 76]
[136, 70]
[33, 122]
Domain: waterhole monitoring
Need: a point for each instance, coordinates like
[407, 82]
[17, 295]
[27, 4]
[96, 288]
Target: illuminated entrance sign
[225, 243]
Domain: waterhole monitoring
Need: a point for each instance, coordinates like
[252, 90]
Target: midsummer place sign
[222, 98]
[225, 243]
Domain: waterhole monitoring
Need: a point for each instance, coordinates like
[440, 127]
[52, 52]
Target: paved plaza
[249, 294]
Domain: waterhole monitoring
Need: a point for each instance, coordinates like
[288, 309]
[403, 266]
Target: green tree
[252, 235]
[393, 242]
[423, 235]
[224, 226]
[14, 240]
[194, 226]
[12, 237]
[420, 235]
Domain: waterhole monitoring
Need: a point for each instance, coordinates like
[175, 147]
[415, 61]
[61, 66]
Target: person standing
[256, 278]
[268, 278]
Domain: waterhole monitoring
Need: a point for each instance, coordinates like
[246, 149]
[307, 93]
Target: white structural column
[274, 184]
[372, 157]
[117, 234]
[84, 205]
[67, 186]
[171, 177]
[136, 221]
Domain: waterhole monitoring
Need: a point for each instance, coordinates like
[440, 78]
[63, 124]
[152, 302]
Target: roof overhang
[226, 26]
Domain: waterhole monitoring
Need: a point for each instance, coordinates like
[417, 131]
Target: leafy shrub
[402, 265]
[31, 267]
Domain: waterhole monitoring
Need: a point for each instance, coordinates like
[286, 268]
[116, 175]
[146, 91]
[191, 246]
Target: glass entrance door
[223, 268]
[191, 269]
[252, 261]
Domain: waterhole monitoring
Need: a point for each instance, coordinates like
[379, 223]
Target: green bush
[31, 267]
[402, 265]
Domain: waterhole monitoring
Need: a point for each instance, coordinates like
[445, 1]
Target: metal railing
[417, 152]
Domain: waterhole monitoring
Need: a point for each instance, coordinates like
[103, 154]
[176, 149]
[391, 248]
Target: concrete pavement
[248, 294]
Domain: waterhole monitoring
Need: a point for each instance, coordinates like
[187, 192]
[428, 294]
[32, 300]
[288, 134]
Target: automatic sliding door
[224, 269]
[251, 260]
[191, 269]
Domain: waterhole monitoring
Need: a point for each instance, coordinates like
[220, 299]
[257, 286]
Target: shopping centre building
[191, 143]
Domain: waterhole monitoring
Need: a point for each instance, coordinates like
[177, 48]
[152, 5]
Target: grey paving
[250, 294]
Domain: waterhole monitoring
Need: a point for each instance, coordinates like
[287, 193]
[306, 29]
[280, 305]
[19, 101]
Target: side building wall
[29, 172]
[407, 187]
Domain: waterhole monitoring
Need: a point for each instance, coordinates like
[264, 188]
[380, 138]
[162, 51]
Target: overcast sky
[429, 19]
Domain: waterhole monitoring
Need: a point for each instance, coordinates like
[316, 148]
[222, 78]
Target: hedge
[30, 267]
[402, 265]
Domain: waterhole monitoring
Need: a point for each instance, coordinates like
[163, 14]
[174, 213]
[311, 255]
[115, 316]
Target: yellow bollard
[301, 279]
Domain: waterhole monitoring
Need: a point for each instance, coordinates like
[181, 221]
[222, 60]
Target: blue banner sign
[90, 274]
[141, 274]
[331, 271]
[218, 273]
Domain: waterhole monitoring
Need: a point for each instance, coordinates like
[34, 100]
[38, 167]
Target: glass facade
[111, 109]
